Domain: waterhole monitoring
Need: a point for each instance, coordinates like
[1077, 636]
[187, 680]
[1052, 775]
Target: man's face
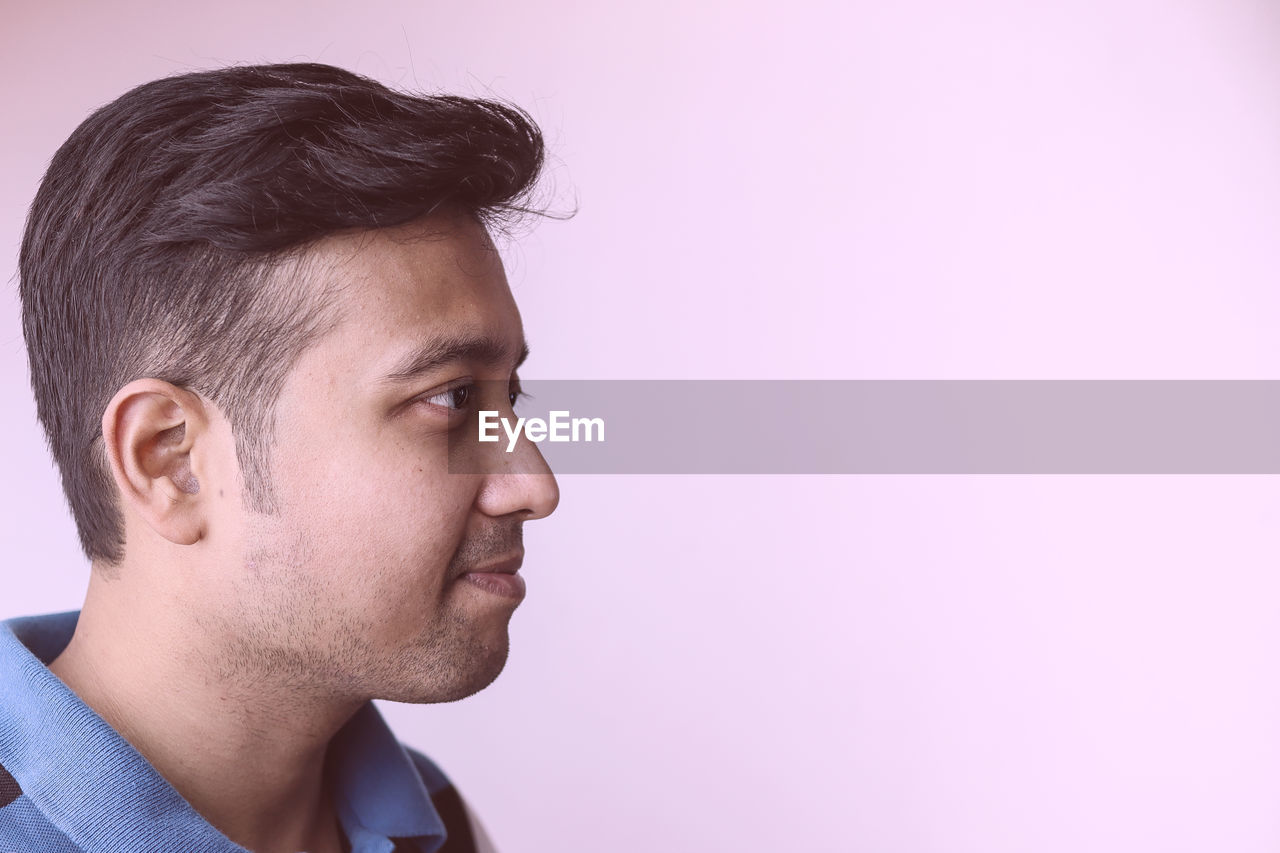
[364, 581]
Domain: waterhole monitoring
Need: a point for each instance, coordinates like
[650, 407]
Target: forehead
[395, 290]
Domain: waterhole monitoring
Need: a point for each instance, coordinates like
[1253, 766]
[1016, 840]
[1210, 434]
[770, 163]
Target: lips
[508, 566]
[499, 578]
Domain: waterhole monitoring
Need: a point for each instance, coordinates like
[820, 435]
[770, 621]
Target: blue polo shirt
[69, 783]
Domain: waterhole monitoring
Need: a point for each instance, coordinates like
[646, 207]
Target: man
[261, 305]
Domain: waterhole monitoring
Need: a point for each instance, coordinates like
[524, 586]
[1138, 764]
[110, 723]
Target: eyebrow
[439, 352]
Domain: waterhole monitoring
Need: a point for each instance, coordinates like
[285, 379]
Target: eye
[451, 398]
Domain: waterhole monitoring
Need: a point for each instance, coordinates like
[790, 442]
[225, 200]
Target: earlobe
[151, 430]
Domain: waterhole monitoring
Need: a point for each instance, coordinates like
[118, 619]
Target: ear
[151, 430]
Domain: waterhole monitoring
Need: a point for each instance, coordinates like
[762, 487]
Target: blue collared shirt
[69, 783]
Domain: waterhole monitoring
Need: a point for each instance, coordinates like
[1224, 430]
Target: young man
[261, 305]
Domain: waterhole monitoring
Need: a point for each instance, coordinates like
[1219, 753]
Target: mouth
[499, 578]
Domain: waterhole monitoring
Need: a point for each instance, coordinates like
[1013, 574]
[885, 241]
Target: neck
[247, 754]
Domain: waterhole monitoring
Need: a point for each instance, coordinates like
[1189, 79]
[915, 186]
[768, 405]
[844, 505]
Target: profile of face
[381, 573]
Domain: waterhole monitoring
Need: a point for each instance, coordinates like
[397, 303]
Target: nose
[521, 483]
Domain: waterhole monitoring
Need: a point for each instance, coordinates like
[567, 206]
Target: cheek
[393, 515]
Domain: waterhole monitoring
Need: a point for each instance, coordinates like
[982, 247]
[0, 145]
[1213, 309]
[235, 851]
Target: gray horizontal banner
[882, 427]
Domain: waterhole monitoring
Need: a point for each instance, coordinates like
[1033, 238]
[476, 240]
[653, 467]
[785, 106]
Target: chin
[447, 678]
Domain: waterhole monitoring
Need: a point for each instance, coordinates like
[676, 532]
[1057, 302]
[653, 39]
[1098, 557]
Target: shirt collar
[380, 794]
[95, 787]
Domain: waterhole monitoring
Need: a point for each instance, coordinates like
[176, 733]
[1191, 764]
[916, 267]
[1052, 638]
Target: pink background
[858, 189]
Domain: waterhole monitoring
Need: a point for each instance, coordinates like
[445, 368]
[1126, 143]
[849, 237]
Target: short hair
[157, 242]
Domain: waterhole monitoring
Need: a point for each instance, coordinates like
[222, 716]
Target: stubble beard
[294, 641]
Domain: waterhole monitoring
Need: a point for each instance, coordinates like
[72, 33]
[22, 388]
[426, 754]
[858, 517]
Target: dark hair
[157, 242]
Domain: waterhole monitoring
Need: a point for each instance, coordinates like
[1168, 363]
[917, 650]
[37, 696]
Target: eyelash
[466, 390]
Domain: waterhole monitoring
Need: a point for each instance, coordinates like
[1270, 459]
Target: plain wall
[810, 190]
